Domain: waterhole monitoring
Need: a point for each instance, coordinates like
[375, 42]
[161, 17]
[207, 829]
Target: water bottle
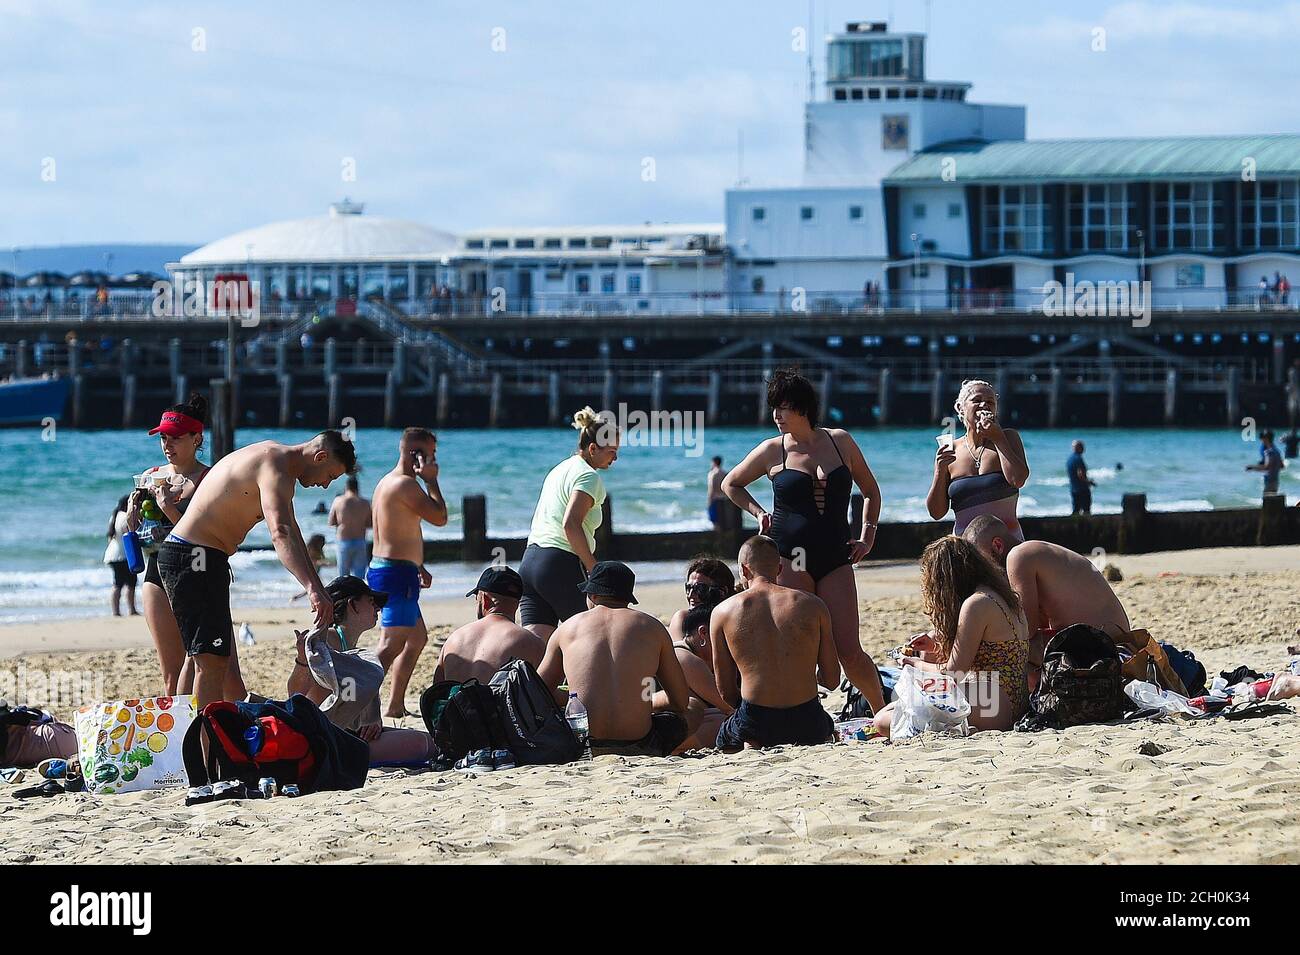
[253, 739]
[131, 550]
[576, 716]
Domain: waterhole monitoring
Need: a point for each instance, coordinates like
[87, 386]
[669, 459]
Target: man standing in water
[397, 568]
[716, 494]
[350, 513]
[252, 484]
[1080, 484]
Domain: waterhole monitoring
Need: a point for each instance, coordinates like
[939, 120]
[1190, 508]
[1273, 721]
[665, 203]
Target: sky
[184, 122]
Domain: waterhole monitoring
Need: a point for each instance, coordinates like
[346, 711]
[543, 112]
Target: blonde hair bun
[585, 418]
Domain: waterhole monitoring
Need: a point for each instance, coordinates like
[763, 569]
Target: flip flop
[12, 775]
[50, 787]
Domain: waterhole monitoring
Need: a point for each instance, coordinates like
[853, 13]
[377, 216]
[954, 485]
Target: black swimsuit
[821, 534]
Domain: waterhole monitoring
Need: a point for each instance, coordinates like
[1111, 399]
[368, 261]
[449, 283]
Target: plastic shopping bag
[130, 745]
[928, 700]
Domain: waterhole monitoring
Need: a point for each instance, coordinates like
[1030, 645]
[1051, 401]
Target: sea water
[58, 494]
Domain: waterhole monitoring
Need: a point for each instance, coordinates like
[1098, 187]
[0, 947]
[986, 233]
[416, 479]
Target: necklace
[970, 446]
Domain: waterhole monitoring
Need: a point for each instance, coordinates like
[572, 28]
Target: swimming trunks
[551, 579]
[667, 731]
[122, 576]
[715, 509]
[353, 558]
[197, 582]
[400, 580]
[989, 493]
[804, 725]
[812, 538]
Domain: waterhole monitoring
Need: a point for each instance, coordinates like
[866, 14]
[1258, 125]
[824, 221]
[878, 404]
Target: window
[607, 282]
[921, 271]
[582, 284]
[918, 210]
[1268, 214]
[523, 243]
[552, 243]
[759, 213]
[1015, 219]
[757, 284]
[841, 94]
[499, 244]
[855, 93]
[806, 213]
[601, 242]
[855, 213]
[634, 284]
[954, 210]
[473, 243]
[1098, 217]
[1185, 215]
[1190, 276]
[577, 243]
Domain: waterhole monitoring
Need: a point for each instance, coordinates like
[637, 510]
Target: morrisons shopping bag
[130, 745]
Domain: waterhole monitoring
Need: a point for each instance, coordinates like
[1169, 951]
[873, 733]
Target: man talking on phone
[397, 567]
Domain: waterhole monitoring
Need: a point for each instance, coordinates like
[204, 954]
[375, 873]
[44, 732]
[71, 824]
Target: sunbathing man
[778, 642]
[611, 655]
[477, 650]
[356, 611]
[707, 709]
[397, 567]
[244, 487]
[1057, 587]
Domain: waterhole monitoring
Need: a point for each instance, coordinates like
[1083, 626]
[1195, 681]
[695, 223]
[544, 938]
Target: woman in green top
[562, 541]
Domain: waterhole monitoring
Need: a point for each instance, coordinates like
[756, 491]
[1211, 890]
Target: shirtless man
[397, 568]
[716, 494]
[252, 484]
[350, 513]
[477, 650]
[610, 655]
[707, 709]
[1057, 587]
[778, 642]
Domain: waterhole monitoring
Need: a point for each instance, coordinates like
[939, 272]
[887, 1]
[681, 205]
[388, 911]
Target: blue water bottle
[253, 739]
[131, 548]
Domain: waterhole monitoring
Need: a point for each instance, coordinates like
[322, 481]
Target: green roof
[1077, 159]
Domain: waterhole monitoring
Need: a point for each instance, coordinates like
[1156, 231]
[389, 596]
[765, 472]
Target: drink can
[267, 785]
[290, 790]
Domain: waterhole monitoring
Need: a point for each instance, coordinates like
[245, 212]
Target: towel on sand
[353, 678]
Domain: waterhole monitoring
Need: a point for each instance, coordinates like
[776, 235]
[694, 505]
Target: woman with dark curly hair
[978, 633]
[813, 471]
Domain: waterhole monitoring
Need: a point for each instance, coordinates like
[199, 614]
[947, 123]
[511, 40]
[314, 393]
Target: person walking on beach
[772, 647]
[716, 497]
[165, 497]
[249, 485]
[397, 568]
[983, 471]
[480, 648]
[351, 514]
[562, 540]
[1080, 485]
[813, 471]
[115, 557]
[1270, 462]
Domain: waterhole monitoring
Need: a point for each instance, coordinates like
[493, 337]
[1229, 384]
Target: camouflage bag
[1082, 682]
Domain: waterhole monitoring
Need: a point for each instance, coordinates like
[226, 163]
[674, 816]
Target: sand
[1220, 791]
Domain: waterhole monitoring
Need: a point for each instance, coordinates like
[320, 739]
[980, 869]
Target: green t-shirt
[571, 474]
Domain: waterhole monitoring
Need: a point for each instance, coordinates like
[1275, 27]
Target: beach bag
[462, 718]
[537, 734]
[1082, 682]
[855, 705]
[927, 700]
[1190, 670]
[1150, 662]
[131, 745]
[299, 745]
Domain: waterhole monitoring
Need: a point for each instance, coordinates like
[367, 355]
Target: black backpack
[536, 731]
[1081, 683]
[462, 718]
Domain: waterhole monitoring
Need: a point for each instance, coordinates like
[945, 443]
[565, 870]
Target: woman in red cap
[166, 493]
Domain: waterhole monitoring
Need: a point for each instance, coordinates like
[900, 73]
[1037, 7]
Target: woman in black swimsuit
[813, 471]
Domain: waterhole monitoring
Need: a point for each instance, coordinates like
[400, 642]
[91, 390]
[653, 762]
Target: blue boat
[33, 400]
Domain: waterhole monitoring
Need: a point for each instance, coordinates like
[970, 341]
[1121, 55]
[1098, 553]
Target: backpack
[536, 731]
[299, 745]
[856, 706]
[461, 718]
[1081, 682]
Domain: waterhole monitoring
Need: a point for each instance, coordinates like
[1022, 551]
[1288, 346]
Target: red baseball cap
[175, 424]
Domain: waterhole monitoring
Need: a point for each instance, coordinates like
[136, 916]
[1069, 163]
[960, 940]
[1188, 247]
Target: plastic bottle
[576, 716]
[253, 739]
[131, 550]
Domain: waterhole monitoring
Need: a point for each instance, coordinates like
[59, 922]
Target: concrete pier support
[78, 400]
[223, 426]
[1006, 394]
[399, 361]
[443, 410]
[1171, 396]
[181, 384]
[553, 411]
[940, 401]
[390, 398]
[657, 390]
[1114, 398]
[826, 392]
[495, 406]
[20, 359]
[286, 400]
[335, 403]
[331, 358]
[128, 400]
[885, 396]
[281, 357]
[1279, 360]
[1056, 398]
[608, 392]
[1232, 395]
[713, 400]
[174, 360]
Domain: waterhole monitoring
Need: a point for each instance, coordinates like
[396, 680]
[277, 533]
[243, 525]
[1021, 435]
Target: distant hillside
[75, 258]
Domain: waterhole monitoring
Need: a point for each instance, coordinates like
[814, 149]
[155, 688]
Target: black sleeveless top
[797, 522]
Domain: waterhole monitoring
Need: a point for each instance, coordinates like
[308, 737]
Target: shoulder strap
[782, 452]
[834, 445]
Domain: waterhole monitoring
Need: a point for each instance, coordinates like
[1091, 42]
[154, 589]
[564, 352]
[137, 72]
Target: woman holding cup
[983, 471]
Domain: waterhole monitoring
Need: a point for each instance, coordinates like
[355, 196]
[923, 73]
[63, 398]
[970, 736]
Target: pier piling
[553, 398]
[390, 398]
[939, 405]
[1056, 398]
[1114, 398]
[286, 400]
[1171, 396]
[128, 400]
[713, 401]
[335, 401]
[1232, 396]
[885, 396]
[494, 400]
[444, 399]
[223, 425]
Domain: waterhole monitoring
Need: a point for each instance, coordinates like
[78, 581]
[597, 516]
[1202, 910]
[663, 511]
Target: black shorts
[197, 581]
[122, 576]
[1081, 501]
[151, 575]
[804, 725]
[551, 578]
[667, 731]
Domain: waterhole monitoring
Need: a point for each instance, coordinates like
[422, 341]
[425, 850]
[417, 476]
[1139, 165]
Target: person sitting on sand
[708, 581]
[611, 655]
[707, 709]
[1056, 586]
[477, 650]
[356, 610]
[772, 646]
[979, 632]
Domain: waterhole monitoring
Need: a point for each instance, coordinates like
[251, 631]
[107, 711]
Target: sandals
[51, 787]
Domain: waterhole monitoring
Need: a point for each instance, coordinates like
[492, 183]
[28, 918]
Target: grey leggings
[551, 578]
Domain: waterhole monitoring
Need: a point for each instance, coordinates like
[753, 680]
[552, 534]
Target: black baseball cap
[346, 588]
[501, 581]
[610, 578]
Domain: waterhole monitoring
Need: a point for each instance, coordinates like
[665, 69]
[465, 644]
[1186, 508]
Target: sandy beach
[1220, 791]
